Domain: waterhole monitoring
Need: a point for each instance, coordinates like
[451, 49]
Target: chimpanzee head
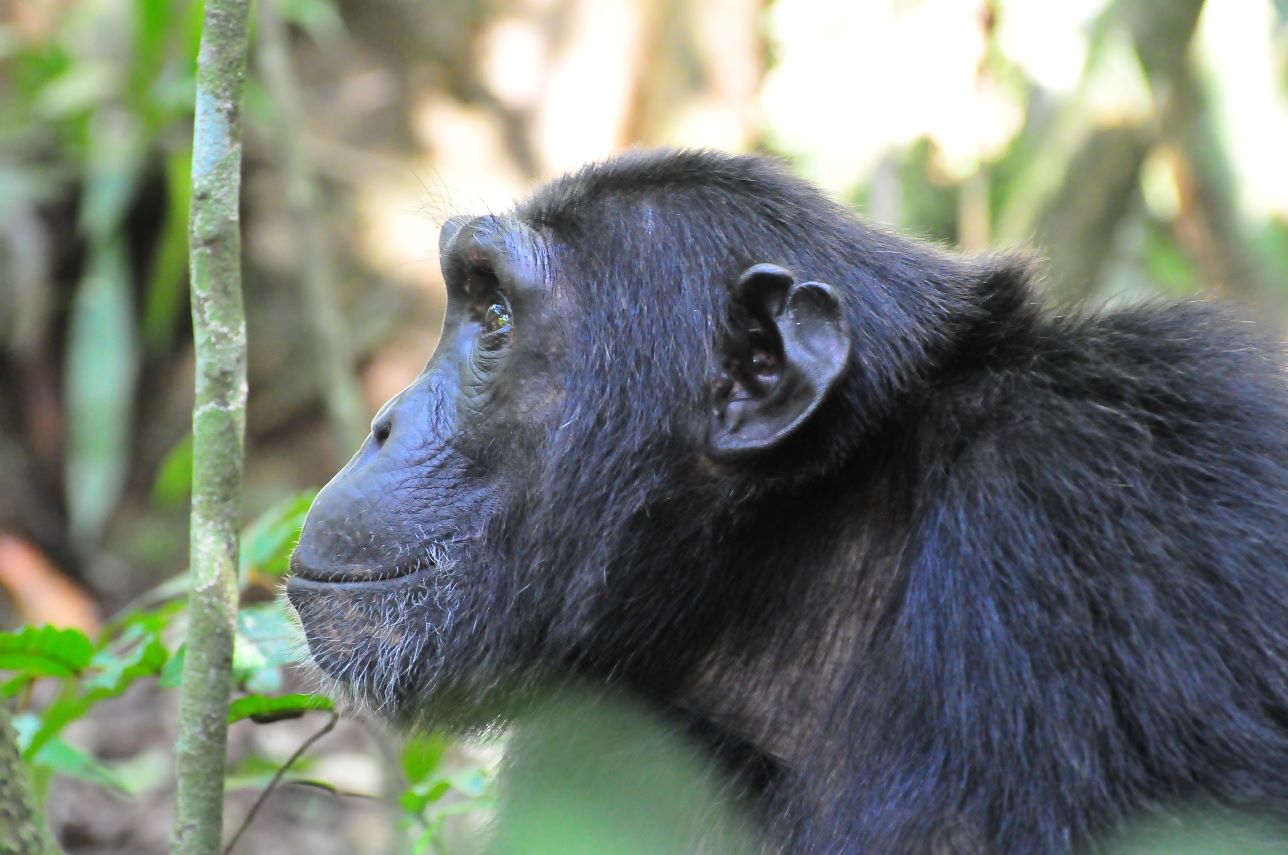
[629, 361]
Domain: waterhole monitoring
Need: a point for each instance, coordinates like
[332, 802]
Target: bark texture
[22, 828]
[218, 426]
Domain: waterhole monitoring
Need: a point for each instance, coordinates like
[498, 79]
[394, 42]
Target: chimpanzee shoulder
[1095, 570]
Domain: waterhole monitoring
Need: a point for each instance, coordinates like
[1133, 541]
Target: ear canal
[815, 348]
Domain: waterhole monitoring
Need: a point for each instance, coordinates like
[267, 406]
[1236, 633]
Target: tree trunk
[22, 828]
[218, 426]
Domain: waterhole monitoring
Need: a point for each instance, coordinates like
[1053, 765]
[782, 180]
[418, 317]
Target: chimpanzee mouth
[352, 575]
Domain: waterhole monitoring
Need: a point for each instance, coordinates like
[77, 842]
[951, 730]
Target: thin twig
[277, 777]
[218, 426]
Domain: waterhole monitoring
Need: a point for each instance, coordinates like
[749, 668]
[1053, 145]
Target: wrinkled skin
[396, 544]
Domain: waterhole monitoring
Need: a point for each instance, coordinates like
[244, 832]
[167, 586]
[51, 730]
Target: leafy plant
[138, 645]
[436, 790]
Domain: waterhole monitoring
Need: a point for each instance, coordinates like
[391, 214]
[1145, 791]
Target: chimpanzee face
[563, 454]
[392, 560]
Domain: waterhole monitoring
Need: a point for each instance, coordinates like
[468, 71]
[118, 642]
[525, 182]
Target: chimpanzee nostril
[381, 427]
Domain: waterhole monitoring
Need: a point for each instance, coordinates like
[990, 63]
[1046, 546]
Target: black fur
[1022, 577]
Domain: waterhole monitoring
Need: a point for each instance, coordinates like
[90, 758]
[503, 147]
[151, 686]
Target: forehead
[504, 245]
[659, 172]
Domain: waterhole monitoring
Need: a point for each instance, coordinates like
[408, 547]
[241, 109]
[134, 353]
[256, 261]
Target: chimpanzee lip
[303, 573]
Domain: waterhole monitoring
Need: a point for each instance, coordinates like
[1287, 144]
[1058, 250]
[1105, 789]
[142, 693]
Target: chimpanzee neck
[806, 615]
[817, 568]
[819, 571]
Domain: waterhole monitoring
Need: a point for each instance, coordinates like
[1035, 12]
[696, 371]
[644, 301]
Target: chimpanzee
[927, 565]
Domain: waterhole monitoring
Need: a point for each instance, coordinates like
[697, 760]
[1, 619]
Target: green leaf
[135, 624]
[45, 651]
[148, 771]
[255, 771]
[117, 673]
[112, 675]
[420, 797]
[25, 725]
[423, 755]
[101, 361]
[173, 483]
[265, 709]
[167, 286]
[470, 783]
[11, 688]
[152, 19]
[266, 544]
[83, 86]
[99, 382]
[114, 165]
[172, 673]
[268, 638]
[426, 842]
[66, 760]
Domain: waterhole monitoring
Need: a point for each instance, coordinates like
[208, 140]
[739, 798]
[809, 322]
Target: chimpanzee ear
[786, 348]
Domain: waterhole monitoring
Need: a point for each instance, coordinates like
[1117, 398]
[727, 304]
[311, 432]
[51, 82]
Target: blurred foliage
[436, 791]
[593, 774]
[141, 643]
[1101, 135]
[95, 143]
[1203, 832]
[88, 110]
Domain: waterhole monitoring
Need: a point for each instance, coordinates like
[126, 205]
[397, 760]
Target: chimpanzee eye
[496, 320]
